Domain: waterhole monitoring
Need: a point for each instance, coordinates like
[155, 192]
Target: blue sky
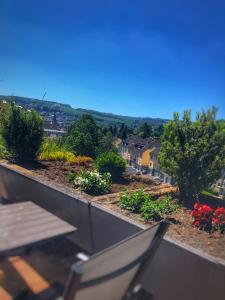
[139, 58]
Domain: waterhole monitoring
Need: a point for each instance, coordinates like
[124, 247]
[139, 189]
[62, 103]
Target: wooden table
[23, 224]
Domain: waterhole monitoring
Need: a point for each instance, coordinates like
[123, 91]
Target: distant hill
[65, 114]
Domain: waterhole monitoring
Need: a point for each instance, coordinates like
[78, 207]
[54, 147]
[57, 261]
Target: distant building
[142, 154]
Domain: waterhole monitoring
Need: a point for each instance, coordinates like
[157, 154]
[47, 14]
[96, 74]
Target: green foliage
[105, 143]
[4, 154]
[22, 132]
[51, 150]
[4, 107]
[71, 176]
[133, 201]
[92, 182]
[123, 131]
[193, 153]
[145, 130]
[141, 202]
[210, 192]
[84, 136]
[158, 131]
[112, 163]
[158, 209]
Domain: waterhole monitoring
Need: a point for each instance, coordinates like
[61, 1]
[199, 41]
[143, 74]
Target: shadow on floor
[40, 274]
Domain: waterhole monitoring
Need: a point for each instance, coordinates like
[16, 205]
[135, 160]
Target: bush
[112, 163]
[133, 201]
[93, 182]
[52, 151]
[22, 131]
[158, 209]
[60, 155]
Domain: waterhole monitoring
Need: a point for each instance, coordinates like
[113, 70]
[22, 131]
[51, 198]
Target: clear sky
[139, 58]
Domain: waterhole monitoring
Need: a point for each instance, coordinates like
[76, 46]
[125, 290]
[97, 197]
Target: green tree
[123, 131]
[106, 143]
[158, 131]
[3, 110]
[193, 153]
[83, 136]
[145, 130]
[22, 132]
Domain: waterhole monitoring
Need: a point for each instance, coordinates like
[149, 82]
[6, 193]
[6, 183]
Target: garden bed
[58, 172]
[181, 228]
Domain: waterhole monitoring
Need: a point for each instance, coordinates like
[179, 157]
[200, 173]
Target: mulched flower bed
[58, 172]
[181, 228]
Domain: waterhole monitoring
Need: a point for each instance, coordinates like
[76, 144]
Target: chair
[115, 273]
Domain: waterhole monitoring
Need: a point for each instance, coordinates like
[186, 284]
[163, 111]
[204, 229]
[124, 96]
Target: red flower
[216, 221]
[202, 215]
[205, 218]
[219, 218]
[196, 206]
[196, 223]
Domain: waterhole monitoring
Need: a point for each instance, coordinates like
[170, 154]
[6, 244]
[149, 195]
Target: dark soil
[55, 171]
[131, 182]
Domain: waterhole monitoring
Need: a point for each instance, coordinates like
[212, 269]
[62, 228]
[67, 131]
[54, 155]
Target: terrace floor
[40, 274]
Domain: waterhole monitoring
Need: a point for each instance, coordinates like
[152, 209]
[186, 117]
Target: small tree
[106, 144]
[123, 131]
[22, 132]
[193, 153]
[145, 130]
[112, 163]
[83, 136]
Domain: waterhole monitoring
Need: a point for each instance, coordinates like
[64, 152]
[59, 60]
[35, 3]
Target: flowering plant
[92, 182]
[205, 218]
[219, 218]
[202, 215]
